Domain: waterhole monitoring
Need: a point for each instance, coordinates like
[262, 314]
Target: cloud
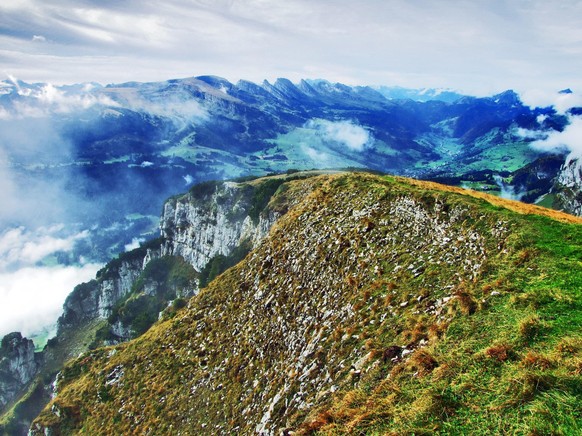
[345, 132]
[44, 100]
[32, 297]
[319, 158]
[176, 104]
[551, 97]
[31, 193]
[479, 47]
[38, 38]
[570, 139]
[22, 248]
[507, 191]
[135, 243]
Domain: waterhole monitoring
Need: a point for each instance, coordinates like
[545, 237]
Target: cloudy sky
[475, 46]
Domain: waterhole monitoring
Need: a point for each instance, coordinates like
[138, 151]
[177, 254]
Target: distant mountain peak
[509, 97]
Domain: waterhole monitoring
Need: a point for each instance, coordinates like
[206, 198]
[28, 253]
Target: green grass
[535, 388]
[359, 265]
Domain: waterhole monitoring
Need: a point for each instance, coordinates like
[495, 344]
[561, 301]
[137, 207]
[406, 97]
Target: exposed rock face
[569, 185]
[19, 364]
[97, 298]
[198, 227]
[212, 219]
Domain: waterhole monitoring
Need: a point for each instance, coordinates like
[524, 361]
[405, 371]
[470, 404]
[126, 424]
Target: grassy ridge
[377, 305]
[512, 367]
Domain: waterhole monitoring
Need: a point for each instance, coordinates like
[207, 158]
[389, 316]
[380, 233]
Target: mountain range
[102, 145]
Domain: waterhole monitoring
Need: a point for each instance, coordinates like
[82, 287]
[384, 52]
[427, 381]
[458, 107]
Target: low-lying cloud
[32, 297]
[32, 294]
[20, 247]
[135, 243]
[37, 101]
[345, 132]
[568, 140]
[544, 98]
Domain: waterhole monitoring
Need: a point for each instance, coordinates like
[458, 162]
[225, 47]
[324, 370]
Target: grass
[377, 305]
[499, 370]
[513, 205]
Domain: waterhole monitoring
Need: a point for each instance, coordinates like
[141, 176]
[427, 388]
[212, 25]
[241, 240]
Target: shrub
[530, 328]
[220, 263]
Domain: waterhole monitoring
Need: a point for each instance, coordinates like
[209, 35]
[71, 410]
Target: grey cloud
[478, 47]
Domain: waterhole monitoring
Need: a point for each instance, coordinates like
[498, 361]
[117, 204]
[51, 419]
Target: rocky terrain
[203, 232]
[18, 366]
[374, 305]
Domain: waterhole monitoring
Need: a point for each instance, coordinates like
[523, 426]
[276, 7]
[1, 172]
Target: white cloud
[546, 98]
[319, 158]
[38, 38]
[345, 132]
[32, 298]
[23, 248]
[569, 139]
[135, 243]
[47, 99]
[478, 47]
[176, 104]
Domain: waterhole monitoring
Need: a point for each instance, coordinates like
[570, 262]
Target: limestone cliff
[569, 186]
[213, 219]
[19, 364]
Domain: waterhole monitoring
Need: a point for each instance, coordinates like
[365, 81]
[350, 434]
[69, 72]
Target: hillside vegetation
[375, 306]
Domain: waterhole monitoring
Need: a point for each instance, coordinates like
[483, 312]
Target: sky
[478, 47]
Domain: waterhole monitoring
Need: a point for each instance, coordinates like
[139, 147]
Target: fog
[32, 293]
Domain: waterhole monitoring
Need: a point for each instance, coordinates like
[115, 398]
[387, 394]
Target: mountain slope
[374, 305]
[203, 232]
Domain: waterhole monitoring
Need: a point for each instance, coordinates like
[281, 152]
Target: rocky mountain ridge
[569, 185]
[210, 222]
[19, 364]
[388, 298]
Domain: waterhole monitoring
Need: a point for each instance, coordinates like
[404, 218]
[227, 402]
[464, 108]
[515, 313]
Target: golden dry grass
[515, 206]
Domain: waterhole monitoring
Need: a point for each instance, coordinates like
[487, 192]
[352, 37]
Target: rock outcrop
[568, 186]
[19, 364]
[97, 298]
[213, 219]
